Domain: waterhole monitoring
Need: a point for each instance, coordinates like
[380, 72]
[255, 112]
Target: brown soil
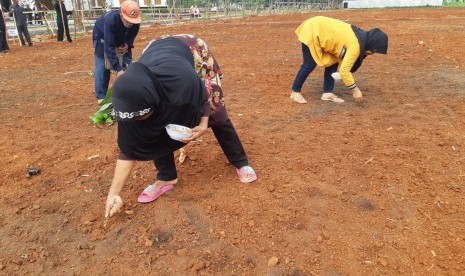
[343, 189]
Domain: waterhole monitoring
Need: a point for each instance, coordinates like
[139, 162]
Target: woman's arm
[347, 63]
[114, 203]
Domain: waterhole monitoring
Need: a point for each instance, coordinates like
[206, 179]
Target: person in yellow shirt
[339, 47]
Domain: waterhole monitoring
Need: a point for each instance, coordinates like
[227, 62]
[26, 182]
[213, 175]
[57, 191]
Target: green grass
[455, 4]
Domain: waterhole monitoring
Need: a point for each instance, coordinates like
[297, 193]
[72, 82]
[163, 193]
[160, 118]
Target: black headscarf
[377, 41]
[171, 89]
[134, 94]
[374, 40]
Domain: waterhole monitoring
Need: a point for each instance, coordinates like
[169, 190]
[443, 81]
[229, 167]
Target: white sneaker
[331, 97]
[298, 97]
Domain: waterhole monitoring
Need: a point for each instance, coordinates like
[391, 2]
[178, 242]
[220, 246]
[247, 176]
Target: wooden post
[48, 25]
[17, 32]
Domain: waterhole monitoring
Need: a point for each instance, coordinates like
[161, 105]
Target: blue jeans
[307, 67]
[101, 77]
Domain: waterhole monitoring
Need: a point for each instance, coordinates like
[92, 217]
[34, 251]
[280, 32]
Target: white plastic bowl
[336, 76]
[178, 132]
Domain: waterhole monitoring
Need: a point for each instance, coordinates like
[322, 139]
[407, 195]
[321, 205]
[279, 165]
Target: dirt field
[343, 189]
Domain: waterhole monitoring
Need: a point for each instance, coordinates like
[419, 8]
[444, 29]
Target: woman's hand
[196, 133]
[114, 202]
[357, 94]
[198, 130]
[113, 206]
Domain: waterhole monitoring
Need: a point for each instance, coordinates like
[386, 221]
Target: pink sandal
[246, 174]
[152, 192]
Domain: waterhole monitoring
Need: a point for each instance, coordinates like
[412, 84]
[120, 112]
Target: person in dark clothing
[3, 42]
[175, 81]
[113, 39]
[28, 11]
[40, 14]
[62, 21]
[21, 24]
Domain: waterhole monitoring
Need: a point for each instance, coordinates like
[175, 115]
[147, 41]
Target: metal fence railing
[82, 21]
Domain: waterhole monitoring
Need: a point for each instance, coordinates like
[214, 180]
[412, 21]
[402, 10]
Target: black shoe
[30, 44]
[70, 40]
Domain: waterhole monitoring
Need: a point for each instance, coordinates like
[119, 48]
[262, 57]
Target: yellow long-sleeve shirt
[326, 38]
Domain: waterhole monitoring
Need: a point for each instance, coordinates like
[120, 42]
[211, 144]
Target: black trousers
[3, 41]
[61, 31]
[23, 30]
[229, 141]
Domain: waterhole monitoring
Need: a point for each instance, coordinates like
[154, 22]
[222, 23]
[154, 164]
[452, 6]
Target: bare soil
[343, 189]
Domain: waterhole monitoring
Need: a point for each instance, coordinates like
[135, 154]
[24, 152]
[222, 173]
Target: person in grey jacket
[21, 23]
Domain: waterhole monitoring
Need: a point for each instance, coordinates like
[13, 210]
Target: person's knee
[307, 67]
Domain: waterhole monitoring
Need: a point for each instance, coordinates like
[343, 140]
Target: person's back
[171, 55]
[167, 52]
[99, 25]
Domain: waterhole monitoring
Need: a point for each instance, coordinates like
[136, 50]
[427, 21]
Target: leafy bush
[455, 3]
